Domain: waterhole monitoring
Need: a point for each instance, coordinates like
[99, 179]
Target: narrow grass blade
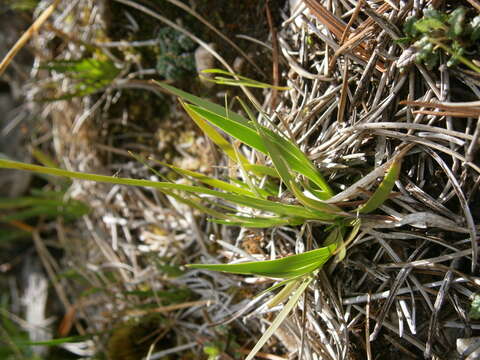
[264, 191]
[20, 202]
[213, 134]
[261, 170]
[281, 317]
[52, 206]
[314, 204]
[298, 161]
[192, 201]
[278, 160]
[278, 285]
[286, 267]
[13, 235]
[47, 211]
[208, 105]
[231, 80]
[341, 250]
[283, 294]
[59, 341]
[336, 237]
[384, 189]
[197, 205]
[245, 175]
[247, 133]
[243, 200]
[269, 206]
[222, 185]
[43, 158]
[259, 222]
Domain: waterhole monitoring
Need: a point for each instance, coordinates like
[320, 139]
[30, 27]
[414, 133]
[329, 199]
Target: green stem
[463, 59]
[243, 200]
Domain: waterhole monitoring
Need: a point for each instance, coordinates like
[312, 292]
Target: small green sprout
[212, 352]
[475, 307]
[455, 34]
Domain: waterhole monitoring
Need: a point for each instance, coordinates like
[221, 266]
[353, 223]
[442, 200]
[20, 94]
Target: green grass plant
[43, 203]
[227, 78]
[254, 198]
[456, 33]
[88, 75]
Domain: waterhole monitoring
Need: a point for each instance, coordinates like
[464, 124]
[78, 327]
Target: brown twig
[446, 113]
[455, 109]
[338, 28]
[37, 24]
[351, 21]
[475, 4]
[275, 56]
[343, 94]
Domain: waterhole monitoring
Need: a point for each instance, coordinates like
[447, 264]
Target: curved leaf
[286, 267]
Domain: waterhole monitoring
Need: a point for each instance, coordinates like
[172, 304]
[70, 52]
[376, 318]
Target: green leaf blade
[286, 267]
[384, 189]
[280, 318]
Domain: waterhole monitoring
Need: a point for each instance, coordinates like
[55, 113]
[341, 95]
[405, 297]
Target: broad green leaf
[281, 316]
[287, 267]
[429, 24]
[243, 131]
[225, 146]
[456, 19]
[384, 189]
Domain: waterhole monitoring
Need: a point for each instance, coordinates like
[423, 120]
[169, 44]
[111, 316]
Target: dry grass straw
[380, 110]
[119, 247]
[27, 35]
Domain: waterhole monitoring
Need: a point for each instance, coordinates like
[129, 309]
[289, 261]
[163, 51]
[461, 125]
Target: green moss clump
[176, 59]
